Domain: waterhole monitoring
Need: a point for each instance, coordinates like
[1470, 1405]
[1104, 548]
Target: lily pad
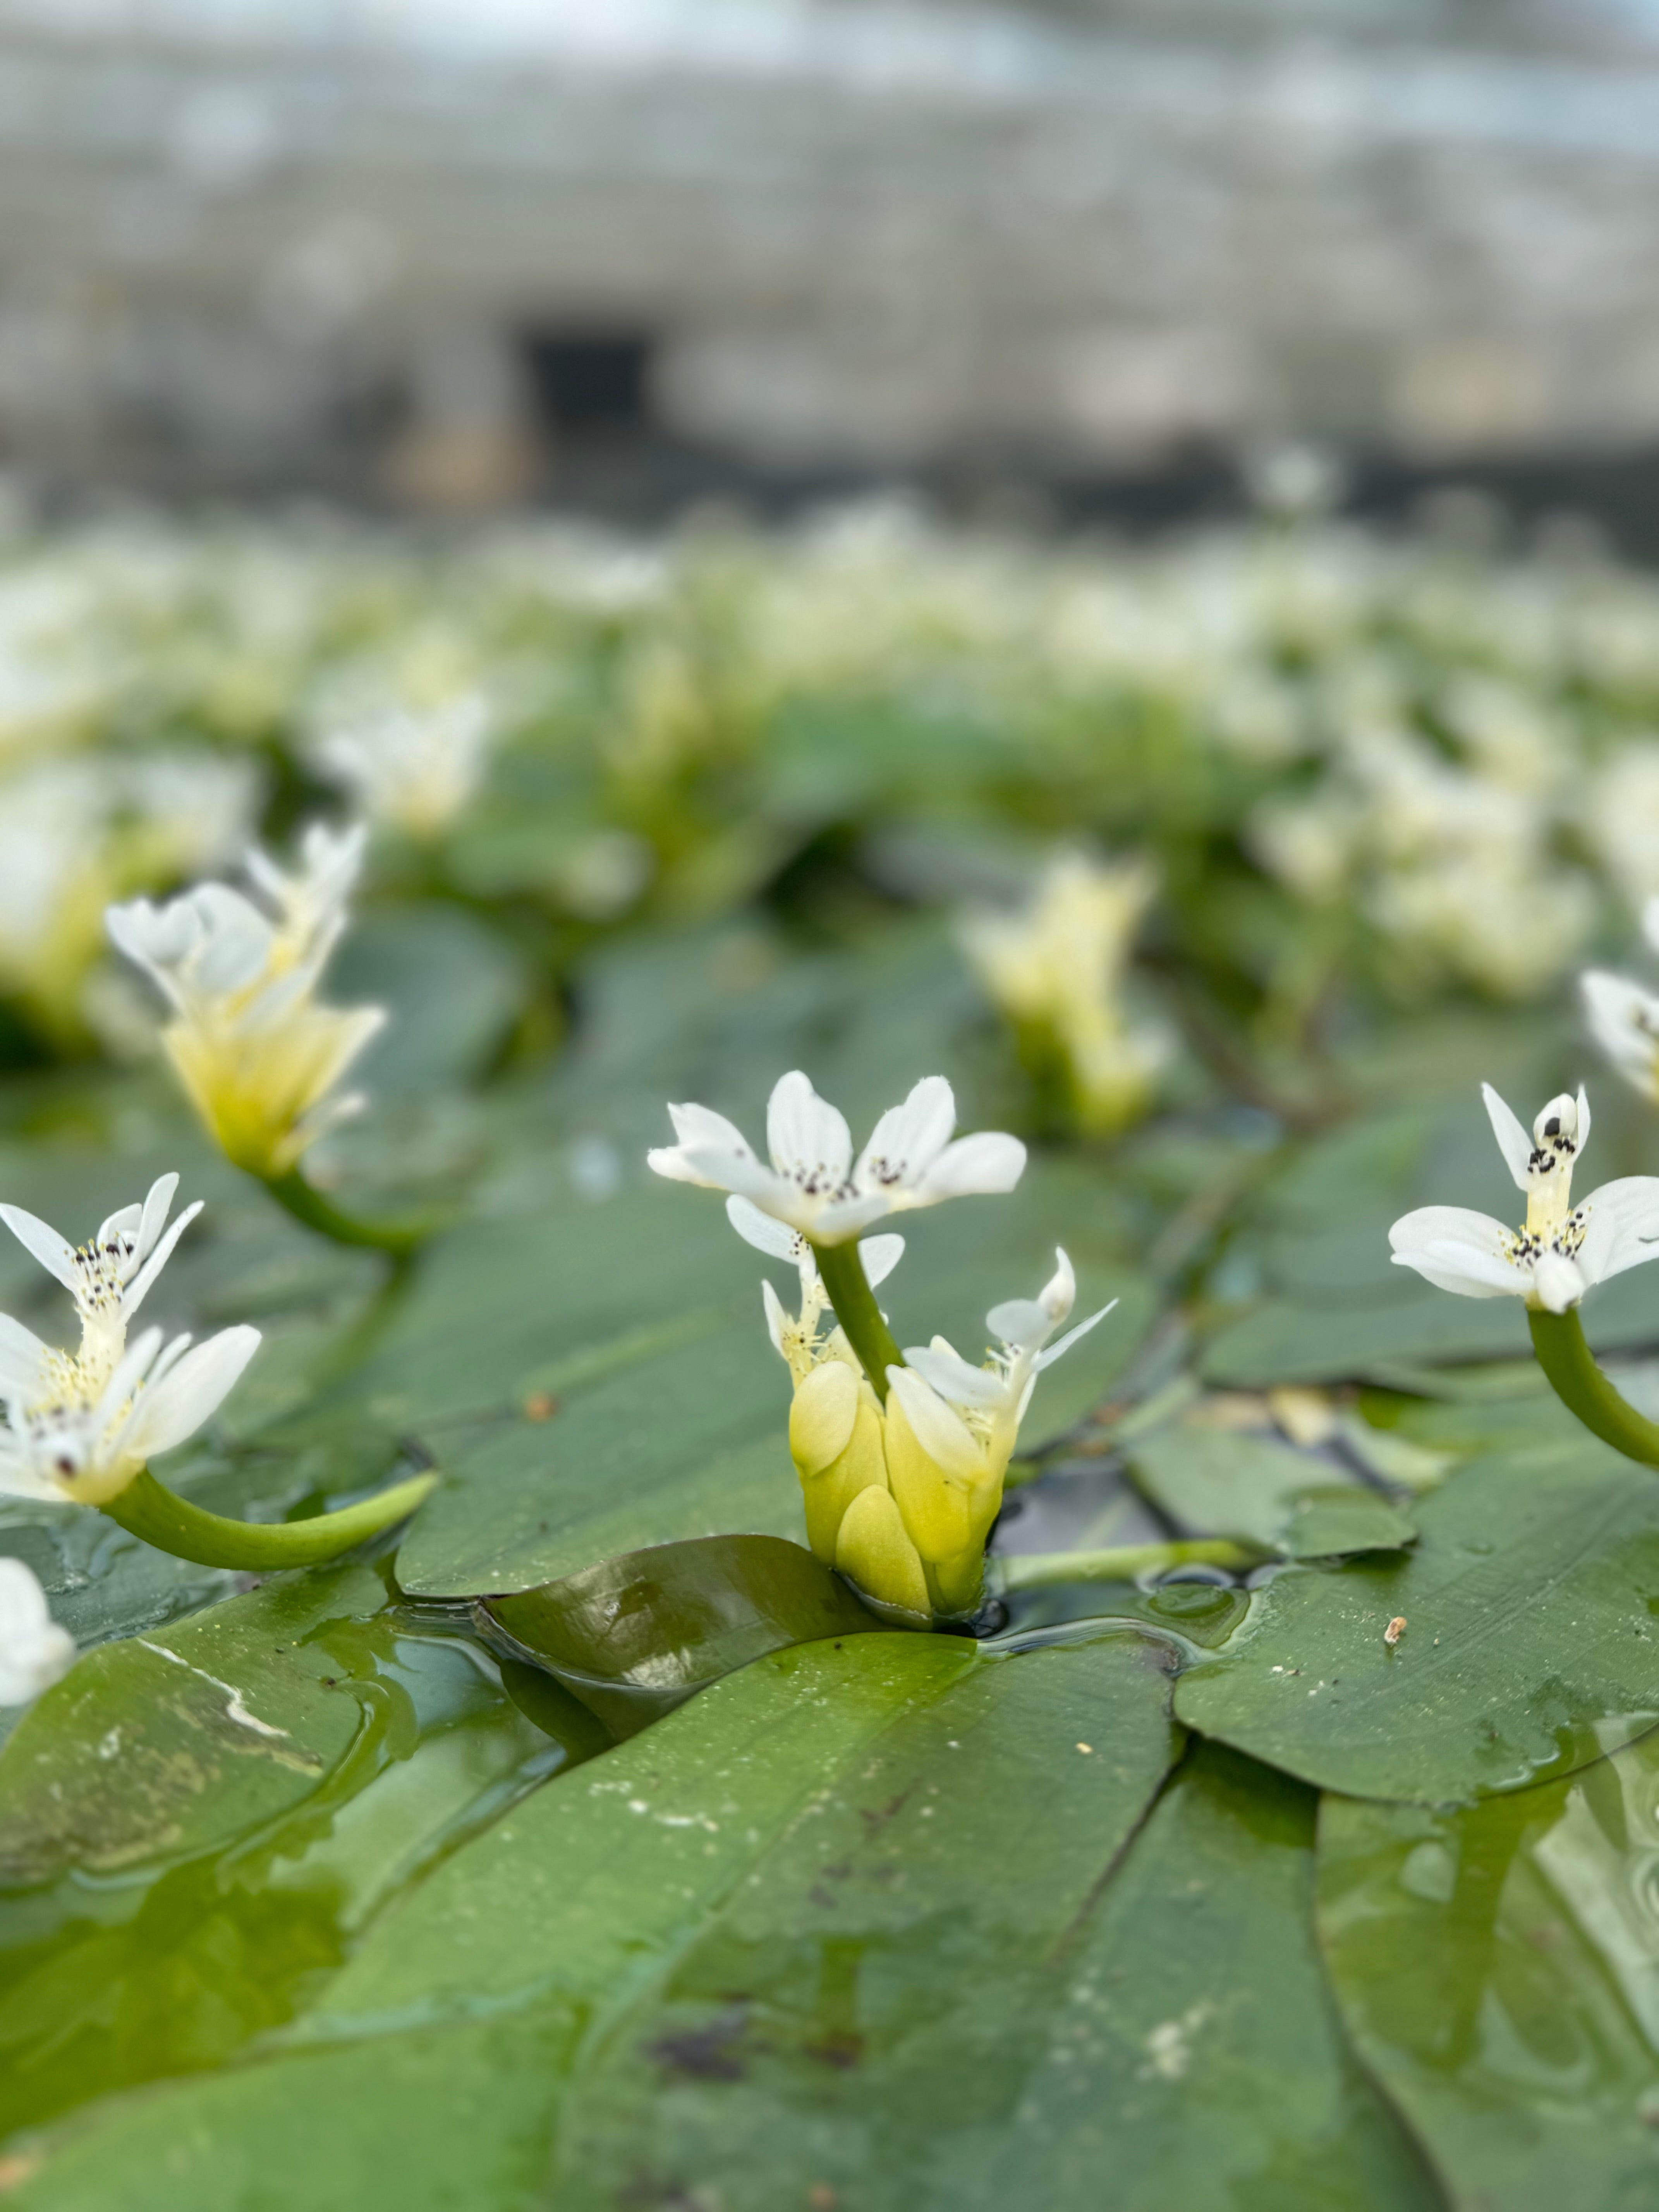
[1211, 1483]
[1498, 1966]
[634, 1636]
[1530, 1643]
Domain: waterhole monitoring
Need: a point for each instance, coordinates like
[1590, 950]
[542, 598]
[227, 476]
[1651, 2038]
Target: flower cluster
[1056, 970]
[258, 1056]
[901, 1460]
[81, 1425]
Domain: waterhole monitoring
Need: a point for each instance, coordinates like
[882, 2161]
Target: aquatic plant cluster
[1197, 1749]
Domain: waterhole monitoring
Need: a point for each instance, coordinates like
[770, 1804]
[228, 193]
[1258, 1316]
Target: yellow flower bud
[836, 1442]
[877, 1557]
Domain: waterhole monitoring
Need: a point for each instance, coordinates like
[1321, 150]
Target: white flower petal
[908, 1137]
[1584, 1123]
[1059, 1295]
[195, 1389]
[1022, 1321]
[35, 1651]
[158, 1204]
[701, 1127]
[126, 1221]
[22, 1361]
[1650, 922]
[1559, 1282]
[42, 1242]
[1459, 1250]
[1624, 1020]
[986, 1163]
[139, 1288]
[1623, 1227]
[764, 1230]
[808, 1139]
[1513, 1140]
[880, 1255]
[844, 1219]
[1053, 1351]
[20, 1478]
[950, 1374]
[941, 1432]
[777, 1315]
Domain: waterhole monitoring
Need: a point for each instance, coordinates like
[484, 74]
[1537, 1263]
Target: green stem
[402, 1239]
[1043, 1570]
[1571, 1370]
[842, 1267]
[147, 1508]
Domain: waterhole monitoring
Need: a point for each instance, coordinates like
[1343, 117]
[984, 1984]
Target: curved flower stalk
[900, 1498]
[81, 1426]
[1558, 1255]
[1056, 971]
[260, 1060]
[1623, 1018]
[35, 1651]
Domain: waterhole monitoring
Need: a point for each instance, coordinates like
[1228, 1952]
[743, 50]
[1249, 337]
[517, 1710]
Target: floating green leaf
[1212, 1482]
[1531, 1643]
[636, 1636]
[789, 1876]
[1498, 1968]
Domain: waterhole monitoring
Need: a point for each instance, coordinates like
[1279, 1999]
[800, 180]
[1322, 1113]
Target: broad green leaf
[1499, 1969]
[193, 1845]
[636, 1636]
[1305, 1339]
[821, 1866]
[450, 986]
[1213, 1482]
[1188, 2052]
[1528, 1647]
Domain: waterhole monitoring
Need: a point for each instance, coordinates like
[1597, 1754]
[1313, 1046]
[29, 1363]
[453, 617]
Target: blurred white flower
[1623, 1018]
[1056, 970]
[257, 1054]
[413, 767]
[35, 1651]
[1621, 815]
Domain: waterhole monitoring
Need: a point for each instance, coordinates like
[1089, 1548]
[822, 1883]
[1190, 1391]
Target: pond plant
[473, 1738]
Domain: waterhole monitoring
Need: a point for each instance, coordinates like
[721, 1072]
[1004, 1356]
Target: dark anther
[1553, 1127]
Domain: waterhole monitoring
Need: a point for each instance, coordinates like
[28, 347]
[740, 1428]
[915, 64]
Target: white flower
[1623, 1018]
[1056, 970]
[966, 1418]
[66, 1437]
[1563, 1250]
[35, 1651]
[813, 1183]
[81, 1424]
[257, 1054]
[415, 767]
[108, 1278]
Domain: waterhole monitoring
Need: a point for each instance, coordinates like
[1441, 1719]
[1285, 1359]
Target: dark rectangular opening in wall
[590, 379]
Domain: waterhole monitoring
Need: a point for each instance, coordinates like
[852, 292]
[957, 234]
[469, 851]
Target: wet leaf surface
[766, 1918]
[636, 1636]
[1531, 1642]
[1211, 1483]
[1498, 1966]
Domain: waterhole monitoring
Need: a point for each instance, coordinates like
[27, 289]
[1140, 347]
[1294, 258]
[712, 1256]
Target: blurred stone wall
[378, 240]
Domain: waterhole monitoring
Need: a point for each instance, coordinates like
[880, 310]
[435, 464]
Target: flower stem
[842, 1267]
[402, 1239]
[1043, 1569]
[1569, 1368]
[147, 1508]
